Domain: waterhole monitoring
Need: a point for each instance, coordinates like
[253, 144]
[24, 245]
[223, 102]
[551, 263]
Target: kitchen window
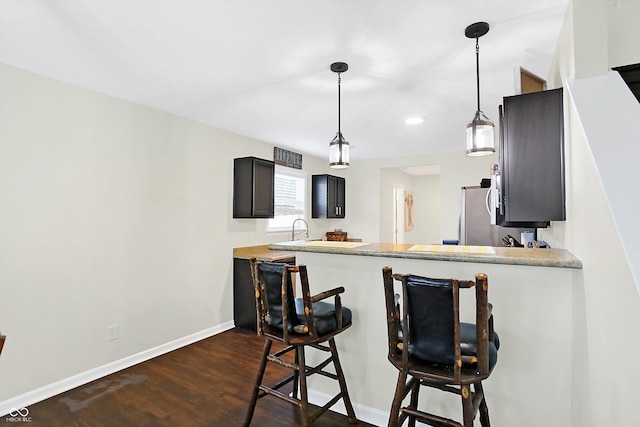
[289, 198]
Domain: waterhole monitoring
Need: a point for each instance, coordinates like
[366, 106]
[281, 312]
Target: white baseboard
[363, 413]
[50, 390]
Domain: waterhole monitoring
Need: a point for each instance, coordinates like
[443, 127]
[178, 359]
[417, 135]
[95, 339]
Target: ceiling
[260, 68]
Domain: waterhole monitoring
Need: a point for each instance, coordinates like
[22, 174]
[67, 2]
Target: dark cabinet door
[253, 188]
[244, 294]
[340, 196]
[532, 158]
[244, 300]
[327, 196]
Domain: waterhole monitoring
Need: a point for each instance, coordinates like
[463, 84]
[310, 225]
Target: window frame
[273, 226]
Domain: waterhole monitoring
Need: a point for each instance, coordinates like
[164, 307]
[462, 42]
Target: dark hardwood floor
[207, 383]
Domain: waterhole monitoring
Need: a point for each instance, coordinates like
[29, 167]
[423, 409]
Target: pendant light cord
[478, 72]
[339, 131]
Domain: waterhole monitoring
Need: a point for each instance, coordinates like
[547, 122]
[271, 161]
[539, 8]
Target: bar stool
[431, 347]
[297, 323]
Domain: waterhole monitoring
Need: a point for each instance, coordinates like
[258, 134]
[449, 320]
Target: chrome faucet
[293, 228]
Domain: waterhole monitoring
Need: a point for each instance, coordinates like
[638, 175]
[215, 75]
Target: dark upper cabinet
[327, 196]
[253, 188]
[532, 159]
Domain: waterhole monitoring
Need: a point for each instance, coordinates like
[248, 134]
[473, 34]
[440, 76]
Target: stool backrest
[426, 326]
[275, 302]
[431, 318]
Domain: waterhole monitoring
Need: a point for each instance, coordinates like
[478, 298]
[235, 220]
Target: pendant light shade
[339, 152]
[480, 135]
[339, 147]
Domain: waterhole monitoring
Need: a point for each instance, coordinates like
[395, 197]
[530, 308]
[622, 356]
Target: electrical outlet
[113, 332]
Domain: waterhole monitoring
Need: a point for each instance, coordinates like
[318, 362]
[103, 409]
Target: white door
[398, 213]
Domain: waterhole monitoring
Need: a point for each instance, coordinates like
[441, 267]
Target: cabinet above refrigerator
[532, 160]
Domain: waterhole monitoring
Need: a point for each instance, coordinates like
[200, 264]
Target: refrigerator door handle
[487, 201]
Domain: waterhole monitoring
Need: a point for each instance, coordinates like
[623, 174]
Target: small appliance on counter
[337, 236]
[528, 240]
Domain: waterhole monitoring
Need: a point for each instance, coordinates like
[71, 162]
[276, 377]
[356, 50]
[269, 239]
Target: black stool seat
[324, 315]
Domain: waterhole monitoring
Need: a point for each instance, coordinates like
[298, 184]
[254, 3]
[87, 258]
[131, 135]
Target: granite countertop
[262, 253]
[481, 254]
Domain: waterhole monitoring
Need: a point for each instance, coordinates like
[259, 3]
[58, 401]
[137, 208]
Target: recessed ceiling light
[413, 120]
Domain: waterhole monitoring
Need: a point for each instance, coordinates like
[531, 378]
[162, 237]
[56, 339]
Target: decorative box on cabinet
[532, 160]
[253, 188]
[327, 196]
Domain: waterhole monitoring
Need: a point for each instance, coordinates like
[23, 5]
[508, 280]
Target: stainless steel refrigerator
[475, 222]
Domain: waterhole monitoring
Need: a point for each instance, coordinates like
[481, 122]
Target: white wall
[614, 145]
[111, 213]
[600, 155]
[605, 382]
[623, 33]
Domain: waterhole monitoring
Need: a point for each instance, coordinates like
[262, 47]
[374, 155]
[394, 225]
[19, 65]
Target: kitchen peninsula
[480, 254]
[536, 296]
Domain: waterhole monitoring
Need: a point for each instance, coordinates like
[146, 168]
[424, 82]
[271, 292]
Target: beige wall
[426, 195]
[427, 210]
[114, 213]
[111, 213]
[370, 185]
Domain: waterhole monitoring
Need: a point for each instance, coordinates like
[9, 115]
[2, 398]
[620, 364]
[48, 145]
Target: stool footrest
[280, 395]
[430, 418]
[287, 364]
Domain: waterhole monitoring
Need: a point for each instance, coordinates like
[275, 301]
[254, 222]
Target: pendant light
[339, 147]
[480, 140]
